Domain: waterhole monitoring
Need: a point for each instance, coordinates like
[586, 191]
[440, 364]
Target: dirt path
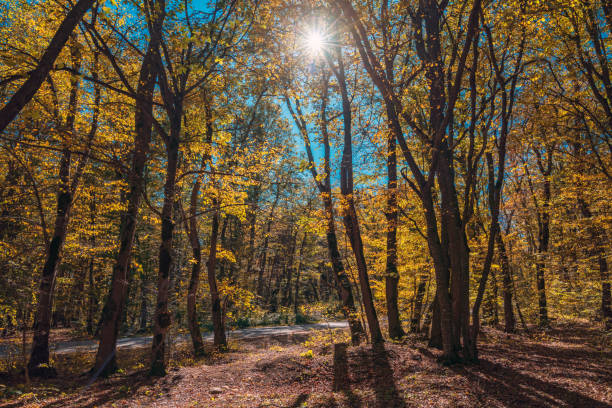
[71, 347]
[569, 366]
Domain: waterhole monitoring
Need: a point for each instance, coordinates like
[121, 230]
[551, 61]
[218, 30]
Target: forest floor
[567, 366]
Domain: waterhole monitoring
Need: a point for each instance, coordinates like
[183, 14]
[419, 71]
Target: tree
[67, 189]
[343, 284]
[143, 122]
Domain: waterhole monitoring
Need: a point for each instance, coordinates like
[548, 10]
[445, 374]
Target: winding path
[67, 347]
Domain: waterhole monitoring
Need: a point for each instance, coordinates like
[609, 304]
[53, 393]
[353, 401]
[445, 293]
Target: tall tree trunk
[264, 253]
[441, 333]
[458, 257]
[162, 319]
[91, 299]
[39, 357]
[606, 296]
[144, 313]
[91, 292]
[298, 271]
[495, 185]
[194, 237]
[391, 272]
[509, 320]
[543, 240]
[42, 325]
[351, 222]
[143, 119]
[288, 269]
[223, 236]
[493, 299]
[493, 231]
[343, 284]
[217, 312]
[418, 304]
[252, 220]
[275, 288]
[435, 329]
[196, 267]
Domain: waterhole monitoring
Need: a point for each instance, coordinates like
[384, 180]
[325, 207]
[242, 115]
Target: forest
[305, 203]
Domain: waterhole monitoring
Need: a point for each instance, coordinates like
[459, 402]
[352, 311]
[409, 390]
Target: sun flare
[314, 41]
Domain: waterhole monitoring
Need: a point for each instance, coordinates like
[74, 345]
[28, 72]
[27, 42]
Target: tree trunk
[435, 330]
[105, 363]
[288, 269]
[606, 296]
[441, 319]
[493, 299]
[264, 254]
[349, 214]
[418, 304]
[543, 240]
[39, 357]
[144, 313]
[194, 280]
[194, 238]
[91, 292]
[391, 272]
[343, 284]
[162, 319]
[252, 221]
[298, 271]
[42, 325]
[217, 312]
[458, 257]
[274, 288]
[91, 299]
[509, 320]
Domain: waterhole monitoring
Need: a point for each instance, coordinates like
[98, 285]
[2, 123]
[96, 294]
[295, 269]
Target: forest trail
[70, 347]
[569, 365]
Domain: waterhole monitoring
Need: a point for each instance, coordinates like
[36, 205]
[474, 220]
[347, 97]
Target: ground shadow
[341, 381]
[385, 388]
[113, 389]
[299, 401]
[371, 366]
[590, 363]
[341, 376]
[515, 388]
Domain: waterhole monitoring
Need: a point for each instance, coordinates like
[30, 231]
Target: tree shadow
[576, 358]
[585, 363]
[353, 399]
[371, 366]
[299, 401]
[385, 388]
[342, 380]
[514, 388]
[111, 390]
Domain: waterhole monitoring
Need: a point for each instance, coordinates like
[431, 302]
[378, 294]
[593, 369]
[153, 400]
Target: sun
[315, 41]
